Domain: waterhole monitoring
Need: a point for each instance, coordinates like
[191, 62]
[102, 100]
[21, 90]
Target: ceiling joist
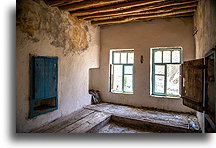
[90, 4]
[151, 12]
[141, 17]
[160, 5]
[116, 7]
[107, 12]
[149, 19]
[61, 2]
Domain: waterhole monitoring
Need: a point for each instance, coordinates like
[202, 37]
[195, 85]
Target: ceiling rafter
[141, 17]
[90, 4]
[149, 19]
[108, 12]
[151, 12]
[139, 9]
[61, 2]
[115, 7]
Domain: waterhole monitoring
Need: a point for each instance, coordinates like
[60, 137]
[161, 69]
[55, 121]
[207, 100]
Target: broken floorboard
[119, 119]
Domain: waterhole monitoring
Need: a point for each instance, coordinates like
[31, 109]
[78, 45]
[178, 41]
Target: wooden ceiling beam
[61, 2]
[120, 6]
[87, 4]
[171, 16]
[139, 9]
[151, 12]
[141, 17]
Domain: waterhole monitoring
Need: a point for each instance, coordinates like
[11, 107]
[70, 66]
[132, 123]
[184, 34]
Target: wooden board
[192, 86]
[63, 122]
[90, 122]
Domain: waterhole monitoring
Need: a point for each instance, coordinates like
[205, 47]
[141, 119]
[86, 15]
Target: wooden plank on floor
[86, 124]
[54, 122]
[64, 121]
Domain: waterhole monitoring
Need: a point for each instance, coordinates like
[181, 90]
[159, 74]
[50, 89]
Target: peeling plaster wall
[141, 36]
[204, 26]
[46, 31]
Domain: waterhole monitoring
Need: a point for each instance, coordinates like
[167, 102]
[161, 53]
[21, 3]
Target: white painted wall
[73, 66]
[141, 36]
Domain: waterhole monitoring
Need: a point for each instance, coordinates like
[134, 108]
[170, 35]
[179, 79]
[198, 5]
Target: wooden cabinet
[43, 85]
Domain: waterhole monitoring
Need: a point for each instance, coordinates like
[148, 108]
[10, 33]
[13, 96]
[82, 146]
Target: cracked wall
[36, 19]
[47, 31]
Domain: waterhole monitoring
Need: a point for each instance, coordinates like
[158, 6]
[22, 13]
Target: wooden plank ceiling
[108, 12]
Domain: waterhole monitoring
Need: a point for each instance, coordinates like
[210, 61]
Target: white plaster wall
[141, 36]
[73, 77]
[204, 24]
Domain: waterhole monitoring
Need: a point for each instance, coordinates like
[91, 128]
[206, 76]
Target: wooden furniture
[43, 85]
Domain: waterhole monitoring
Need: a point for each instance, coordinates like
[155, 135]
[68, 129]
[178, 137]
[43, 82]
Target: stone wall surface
[47, 31]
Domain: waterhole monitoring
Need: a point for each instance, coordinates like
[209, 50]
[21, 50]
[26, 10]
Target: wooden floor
[110, 118]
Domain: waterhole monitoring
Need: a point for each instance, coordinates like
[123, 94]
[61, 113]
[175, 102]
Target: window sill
[126, 93]
[166, 97]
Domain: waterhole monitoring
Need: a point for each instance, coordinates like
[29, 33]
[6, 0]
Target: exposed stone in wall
[35, 18]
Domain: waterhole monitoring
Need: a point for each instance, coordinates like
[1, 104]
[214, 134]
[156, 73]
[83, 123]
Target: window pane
[159, 69]
[116, 57]
[166, 56]
[176, 57]
[158, 56]
[159, 84]
[123, 57]
[173, 79]
[128, 70]
[117, 80]
[128, 83]
[131, 58]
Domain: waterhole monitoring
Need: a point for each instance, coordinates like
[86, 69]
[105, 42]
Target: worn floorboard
[97, 118]
[167, 118]
[63, 122]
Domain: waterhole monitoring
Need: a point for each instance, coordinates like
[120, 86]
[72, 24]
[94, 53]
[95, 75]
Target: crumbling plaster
[46, 31]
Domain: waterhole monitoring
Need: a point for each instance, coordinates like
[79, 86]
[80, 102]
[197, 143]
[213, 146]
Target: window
[121, 71]
[43, 85]
[166, 71]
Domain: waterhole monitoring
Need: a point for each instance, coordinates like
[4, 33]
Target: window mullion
[165, 83]
[171, 56]
[123, 77]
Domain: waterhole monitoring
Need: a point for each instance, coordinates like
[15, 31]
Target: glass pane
[116, 57]
[158, 56]
[131, 58]
[117, 78]
[123, 57]
[128, 70]
[176, 57]
[173, 79]
[128, 83]
[159, 84]
[166, 56]
[159, 69]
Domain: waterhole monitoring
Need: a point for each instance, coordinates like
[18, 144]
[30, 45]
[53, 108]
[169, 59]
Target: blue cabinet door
[39, 78]
[51, 75]
[43, 85]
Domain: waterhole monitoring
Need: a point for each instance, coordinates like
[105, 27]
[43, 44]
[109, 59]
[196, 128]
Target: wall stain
[35, 18]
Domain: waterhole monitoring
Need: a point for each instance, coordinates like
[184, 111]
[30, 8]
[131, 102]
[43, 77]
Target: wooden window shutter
[192, 84]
